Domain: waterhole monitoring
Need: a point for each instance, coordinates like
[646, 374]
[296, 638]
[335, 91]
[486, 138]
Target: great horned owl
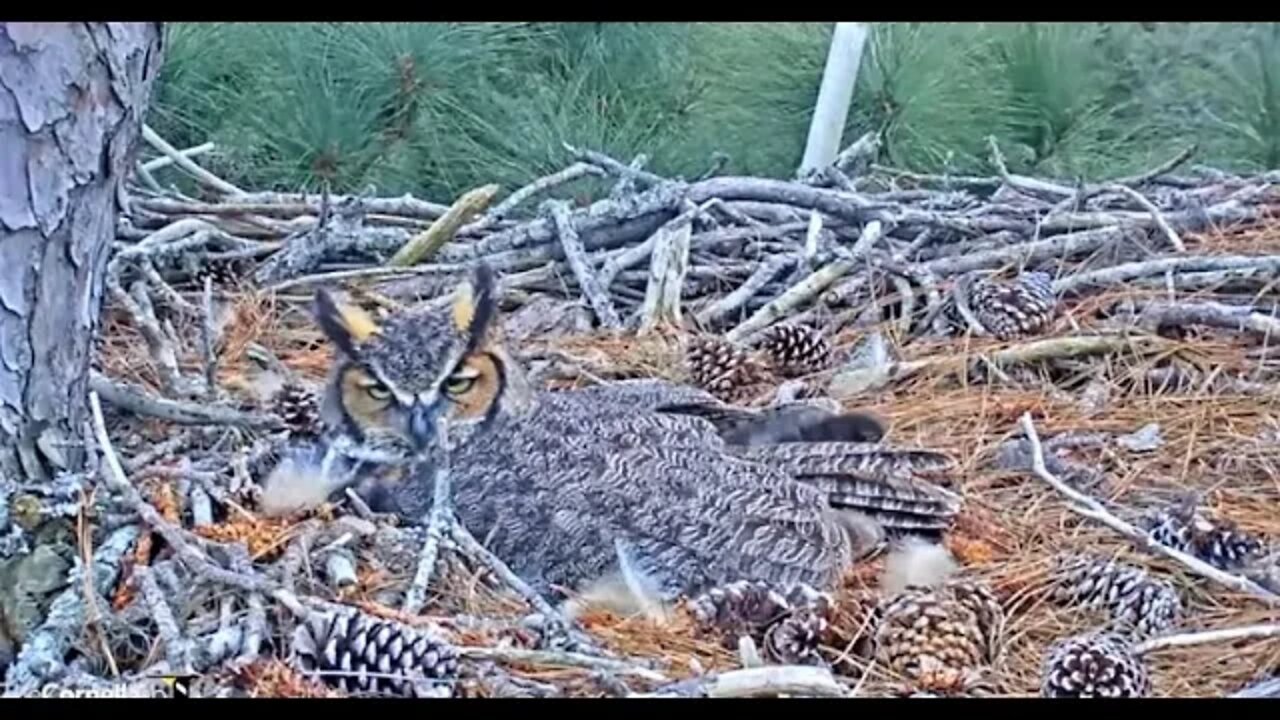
[634, 479]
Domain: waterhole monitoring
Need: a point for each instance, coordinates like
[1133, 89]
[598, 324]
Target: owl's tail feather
[901, 489]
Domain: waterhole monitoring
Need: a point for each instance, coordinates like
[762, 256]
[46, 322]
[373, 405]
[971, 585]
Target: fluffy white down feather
[300, 482]
[916, 562]
[627, 592]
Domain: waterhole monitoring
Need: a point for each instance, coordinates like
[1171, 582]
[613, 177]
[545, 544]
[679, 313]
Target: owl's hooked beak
[422, 424]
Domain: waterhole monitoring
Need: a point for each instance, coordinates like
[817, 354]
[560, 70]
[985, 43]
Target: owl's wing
[698, 517]
[788, 422]
[898, 487]
[643, 393]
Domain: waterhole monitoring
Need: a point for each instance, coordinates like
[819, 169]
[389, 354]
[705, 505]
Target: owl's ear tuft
[345, 324]
[475, 304]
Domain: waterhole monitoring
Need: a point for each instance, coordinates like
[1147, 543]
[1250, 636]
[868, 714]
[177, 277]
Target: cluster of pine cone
[1103, 662]
[736, 373]
[940, 638]
[789, 622]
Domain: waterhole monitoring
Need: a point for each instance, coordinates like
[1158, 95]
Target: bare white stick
[834, 96]
[1245, 632]
[199, 173]
[812, 235]
[1119, 274]
[439, 519]
[1088, 507]
[1156, 215]
[165, 161]
[803, 680]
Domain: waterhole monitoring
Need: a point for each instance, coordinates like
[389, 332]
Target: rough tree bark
[72, 99]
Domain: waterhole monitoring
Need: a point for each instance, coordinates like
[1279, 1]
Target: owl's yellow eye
[378, 392]
[459, 384]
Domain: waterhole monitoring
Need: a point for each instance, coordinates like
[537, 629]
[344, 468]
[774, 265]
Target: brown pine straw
[1011, 528]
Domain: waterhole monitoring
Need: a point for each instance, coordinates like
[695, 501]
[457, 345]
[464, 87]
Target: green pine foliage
[437, 108]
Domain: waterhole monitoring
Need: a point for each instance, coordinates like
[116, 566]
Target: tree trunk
[72, 100]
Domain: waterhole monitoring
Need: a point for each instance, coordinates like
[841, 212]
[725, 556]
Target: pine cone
[754, 607]
[795, 350]
[358, 653]
[921, 631]
[794, 640]
[943, 682]
[1095, 665]
[1217, 542]
[723, 369]
[1009, 309]
[1138, 604]
[300, 408]
[224, 272]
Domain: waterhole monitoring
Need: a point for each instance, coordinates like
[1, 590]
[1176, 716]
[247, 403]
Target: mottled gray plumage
[567, 487]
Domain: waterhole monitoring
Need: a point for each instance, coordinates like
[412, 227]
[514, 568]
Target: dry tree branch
[203, 176]
[1161, 169]
[559, 658]
[1246, 632]
[1025, 184]
[764, 273]
[576, 254]
[1088, 507]
[807, 289]
[209, 340]
[158, 344]
[165, 161]
[1213, 314]
[178, 649]
[541, 185]
[1119, 274]
[1156, 215]
[463, 210]
[438, 525]
[136, 400]
[767, 681]
[613, 166]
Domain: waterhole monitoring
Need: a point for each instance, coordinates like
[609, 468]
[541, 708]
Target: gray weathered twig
[558, 658]
[439, 525]
[178, 648]
[1120, 274]
[137, 400]
[596, 295]
[1091, 508]
[1156, 215]
[764, 273]
[542, 185]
